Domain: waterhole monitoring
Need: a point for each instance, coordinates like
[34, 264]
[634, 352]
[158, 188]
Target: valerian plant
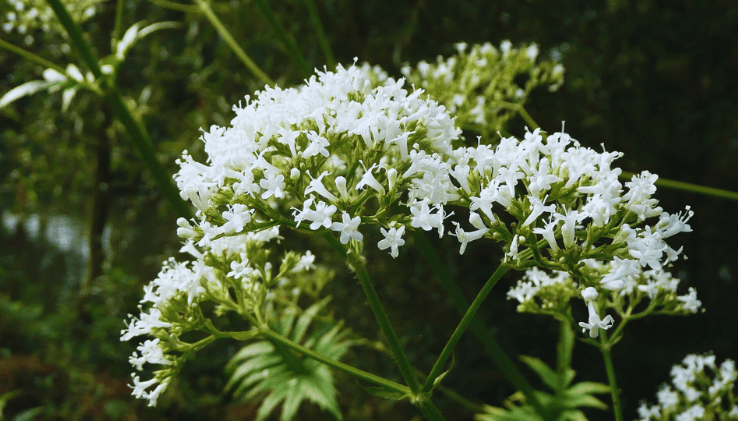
[353, 151]
[338, 156]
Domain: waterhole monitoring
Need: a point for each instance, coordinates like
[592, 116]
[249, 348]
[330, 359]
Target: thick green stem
[693, 188]
[31, 57]
[136, 131]
[356, 263]
[223, 32]
[493, 349]
[363, 375]
[605, 347]
[461, 328]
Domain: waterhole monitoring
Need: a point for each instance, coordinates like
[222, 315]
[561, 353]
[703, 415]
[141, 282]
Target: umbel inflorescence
[341, 156]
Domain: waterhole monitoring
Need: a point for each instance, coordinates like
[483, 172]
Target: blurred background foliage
[653, 79]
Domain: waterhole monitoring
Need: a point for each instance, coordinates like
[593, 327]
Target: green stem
[694, 188]
[75, 34]
[285, 38]
[456, 336]
[186, 8]
[137, 132]
[519, 108]
[324, 44]
[223, 32]
[429, 410]
[363, 375]
[528, 119]
[493, 349]
[31, 57]
[118, 22]
[356, 263]
[605, 347]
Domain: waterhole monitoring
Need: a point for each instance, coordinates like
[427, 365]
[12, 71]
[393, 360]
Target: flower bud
[589, 294]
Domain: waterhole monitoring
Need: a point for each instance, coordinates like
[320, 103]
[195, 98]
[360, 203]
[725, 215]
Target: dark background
[655, 80]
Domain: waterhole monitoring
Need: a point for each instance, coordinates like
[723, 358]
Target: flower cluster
[323, 151]
[27, 16]
[479, 83]
[695, 392]
[313, 157]
[346, 151]
[542, 293]
[234, 272]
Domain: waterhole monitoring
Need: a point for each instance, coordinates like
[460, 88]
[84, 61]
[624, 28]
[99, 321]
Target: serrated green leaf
[574, 416]
[251, 350]
[287, 383]
[545, 372]
[271, 402]
[306, 318]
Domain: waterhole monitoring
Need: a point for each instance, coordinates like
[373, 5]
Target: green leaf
[133, 34]
[306, 318]
[545, 372]
[577, 400]
[28, 88]
[263, 370]
[5, 397]
[589, 387]
[385, 393]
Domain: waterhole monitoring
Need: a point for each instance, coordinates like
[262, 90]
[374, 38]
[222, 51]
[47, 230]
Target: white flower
[423, 218]
[241, 270]
[513, 253]
[317, 145]
[316, 185]
[368, 180]
[348, 228]
[646, 412]
[691, 303]
[537, 208]
[667, 397]
[150, 353]
[273, 183]
[620, 270]
[139, 387]
[305, 263]
[392, 240]
[467, 237]
[594, 323]
[185, 230]
[568, 229]
[695, 412]
[237, 216]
